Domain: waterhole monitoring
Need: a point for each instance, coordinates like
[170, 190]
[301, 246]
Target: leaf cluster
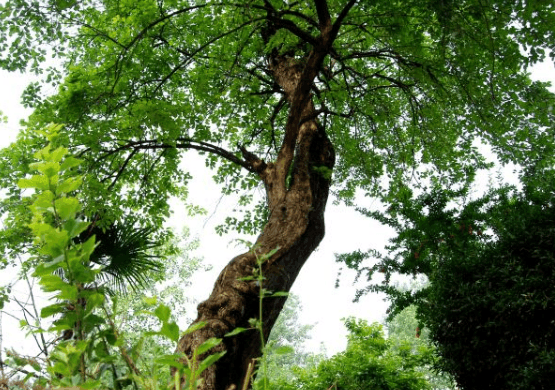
[369, 362]
[489, 262]
[90, 353]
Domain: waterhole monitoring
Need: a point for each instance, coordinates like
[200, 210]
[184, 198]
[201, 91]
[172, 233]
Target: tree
[490, 263]
[491, 313]
[281, 95]
[369, 362]
[285, 348]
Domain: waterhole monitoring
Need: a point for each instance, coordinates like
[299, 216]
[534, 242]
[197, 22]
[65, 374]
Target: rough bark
[295, 226]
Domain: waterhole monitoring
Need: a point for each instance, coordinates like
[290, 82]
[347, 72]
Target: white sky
[322, 303]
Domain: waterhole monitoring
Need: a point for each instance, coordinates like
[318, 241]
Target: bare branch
[181, 143]
[122, 168]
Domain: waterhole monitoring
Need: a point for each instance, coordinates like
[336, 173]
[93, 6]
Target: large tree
[281, 95]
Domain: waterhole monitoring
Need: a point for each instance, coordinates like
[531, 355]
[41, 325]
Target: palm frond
[126, 255]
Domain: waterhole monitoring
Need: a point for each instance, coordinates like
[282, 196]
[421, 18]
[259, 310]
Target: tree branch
[181, 143]
[342, 15]
[324, 19]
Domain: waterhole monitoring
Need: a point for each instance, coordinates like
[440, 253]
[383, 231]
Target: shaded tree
[490, 262]
[278, 95]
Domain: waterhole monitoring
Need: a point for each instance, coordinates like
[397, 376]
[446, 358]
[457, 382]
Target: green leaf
[150, 301]
[170, 330]
[162, 312]
[44, 201]
[75, 227]
[67, 207]
[39, 182]
[236, 331]
[70, 162]
[207, 345]
[279, 294]
[283, 350]
[195, 327]
[69, 185]
[170, 360]
[210, 360]
[53, 309]
[48, 168]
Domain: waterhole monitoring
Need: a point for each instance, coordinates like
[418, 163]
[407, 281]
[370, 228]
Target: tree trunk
[295, 228]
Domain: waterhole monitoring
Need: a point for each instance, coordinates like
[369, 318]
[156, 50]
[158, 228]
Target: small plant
[89, 352]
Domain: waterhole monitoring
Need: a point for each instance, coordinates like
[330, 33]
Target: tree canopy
[300, 98]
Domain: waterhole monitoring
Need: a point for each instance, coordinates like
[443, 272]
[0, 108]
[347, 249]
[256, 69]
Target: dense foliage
[369, 362]
[91, 352]
[489, 304]
[299, 99]
[492, 309]
[406, 85]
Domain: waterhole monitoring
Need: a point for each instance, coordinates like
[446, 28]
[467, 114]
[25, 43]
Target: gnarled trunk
[295, 228]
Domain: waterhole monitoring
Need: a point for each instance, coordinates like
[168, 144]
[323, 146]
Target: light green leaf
[39, 182]
[162, 312]
[207, 345]
[67, 207]
[170, 330]
[69, 185]
[236, 331]
[150, 300]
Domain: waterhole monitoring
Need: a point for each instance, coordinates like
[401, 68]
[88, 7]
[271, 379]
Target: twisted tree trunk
[295, 226]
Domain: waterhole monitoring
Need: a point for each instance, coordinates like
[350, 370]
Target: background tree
[405, 330]
[286, 345]
[491, 265]
[279, 95]
[369, 362]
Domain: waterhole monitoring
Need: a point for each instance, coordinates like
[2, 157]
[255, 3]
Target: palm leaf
[125, 254]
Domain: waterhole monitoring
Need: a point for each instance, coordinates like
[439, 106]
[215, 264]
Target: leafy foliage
[407, 89]
[490, 264]
[405, 330]
[491, 314]
[369, 362]
[90, 352]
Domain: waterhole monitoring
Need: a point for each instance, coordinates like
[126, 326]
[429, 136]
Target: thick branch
[182, 143]
[341, 17]
[323, 12]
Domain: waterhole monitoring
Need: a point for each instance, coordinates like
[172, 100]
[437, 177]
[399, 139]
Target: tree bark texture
[295, 226]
